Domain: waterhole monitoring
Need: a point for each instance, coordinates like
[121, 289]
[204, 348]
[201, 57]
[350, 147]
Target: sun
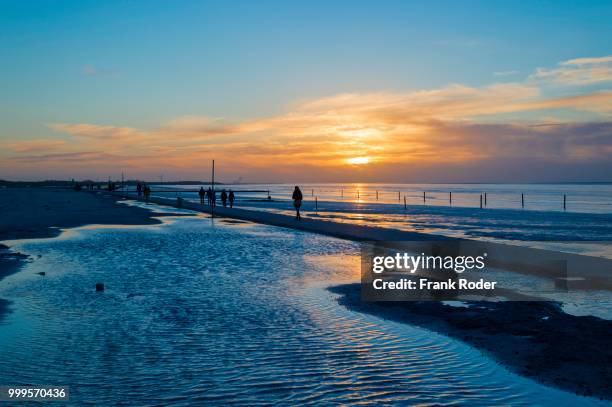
[358, 160]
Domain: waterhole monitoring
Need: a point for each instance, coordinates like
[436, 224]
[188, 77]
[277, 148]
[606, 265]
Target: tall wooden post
[480, 201]
[316, 203]
[423, 196]
[522, 200]
[564, 200]
[212, 187]
[485, 199]
[399, 197]
[377, 195]
[450, 198]
[405, 207]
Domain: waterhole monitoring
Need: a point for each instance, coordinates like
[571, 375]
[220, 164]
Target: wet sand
[534, 339]
[27, 213]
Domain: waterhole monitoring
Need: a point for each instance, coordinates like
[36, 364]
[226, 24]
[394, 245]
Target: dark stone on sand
[99, 286]
[535, 339]
[42, 273]
[4, 308]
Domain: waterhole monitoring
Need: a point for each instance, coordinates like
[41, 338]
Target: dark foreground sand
[34, 212]
[534, 339]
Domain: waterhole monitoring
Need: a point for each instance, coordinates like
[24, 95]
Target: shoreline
[559, 355]
[536, 340]
[35, 213]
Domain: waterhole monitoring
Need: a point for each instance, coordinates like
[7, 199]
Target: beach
[34, 213]
[42, 212]
[528, 339]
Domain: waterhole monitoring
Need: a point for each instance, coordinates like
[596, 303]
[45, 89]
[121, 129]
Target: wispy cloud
[505, 73]
[460, 43]
[429, 129]
[578, 71]
[90, 70]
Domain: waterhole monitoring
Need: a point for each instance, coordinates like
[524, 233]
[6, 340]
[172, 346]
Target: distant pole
[342, 192]
[564, 200]
[485, 199]
[398, 196]
[316, 203]
[405, 207]
[522, 200]
[450, 198]
[480, 201]
[212, 207]
[357, 194]
[423, 196]
[312, 192]
[377, 195]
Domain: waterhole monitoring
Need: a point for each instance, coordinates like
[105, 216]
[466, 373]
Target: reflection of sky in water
[575, 302]
[209, 312]
[582, 198]
[589, 221]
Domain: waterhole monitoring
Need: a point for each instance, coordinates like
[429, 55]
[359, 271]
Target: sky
[317, 91]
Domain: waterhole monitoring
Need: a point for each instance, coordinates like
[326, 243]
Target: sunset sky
[354, 91]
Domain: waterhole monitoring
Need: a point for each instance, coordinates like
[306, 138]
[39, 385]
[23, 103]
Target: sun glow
[358, 160]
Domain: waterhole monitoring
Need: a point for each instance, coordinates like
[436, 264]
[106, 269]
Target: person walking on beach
[224, 198]
[231, 198]
[201, 193]
[297, 202]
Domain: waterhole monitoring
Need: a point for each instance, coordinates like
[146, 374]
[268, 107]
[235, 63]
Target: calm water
[202, 312]
[583, 198]
[585, 227]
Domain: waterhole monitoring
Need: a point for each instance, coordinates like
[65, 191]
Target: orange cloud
[329, 136]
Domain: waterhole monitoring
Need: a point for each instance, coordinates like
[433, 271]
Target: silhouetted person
[139, 189]
[224, 198]
[201, 193]
[231, 198]
[147, 191]
[297, 202]
[209, 196]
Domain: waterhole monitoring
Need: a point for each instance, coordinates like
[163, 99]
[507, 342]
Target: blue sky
[142, 64]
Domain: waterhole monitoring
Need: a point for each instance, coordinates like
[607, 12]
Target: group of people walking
[211, 197]
[143, 189]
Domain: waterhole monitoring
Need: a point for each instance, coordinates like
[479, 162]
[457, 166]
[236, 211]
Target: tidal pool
[206, 311]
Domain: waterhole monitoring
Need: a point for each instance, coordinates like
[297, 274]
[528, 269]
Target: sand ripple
[195, 313]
